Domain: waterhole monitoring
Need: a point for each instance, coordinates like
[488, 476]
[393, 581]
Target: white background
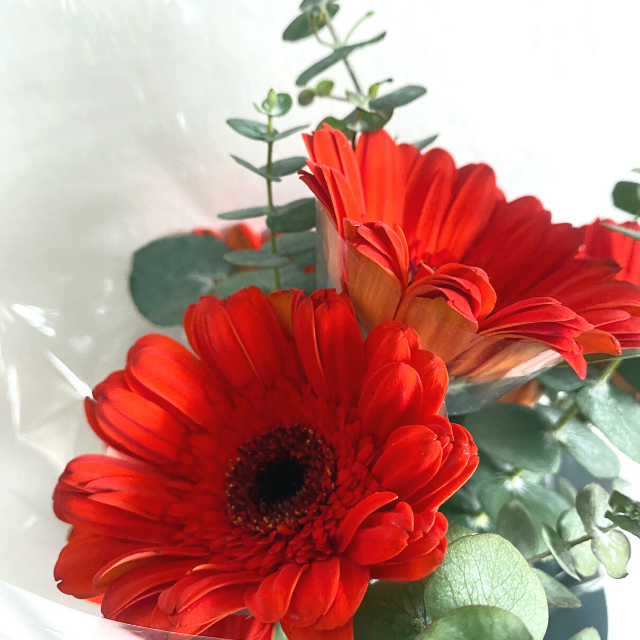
[112, 132]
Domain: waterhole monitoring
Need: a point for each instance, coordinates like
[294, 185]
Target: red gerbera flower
[424, 240]
[601, 242]
[277, 471]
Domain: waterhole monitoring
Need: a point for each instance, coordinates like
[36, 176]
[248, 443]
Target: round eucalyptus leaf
[457, 531]
[515, 434]
[486, 569]
[477, 623]
[592, 502]
[516, 525]
[559, 550]
[570, 527]
[557, 594]
[171, 273]
[613, 550]
[586, 634]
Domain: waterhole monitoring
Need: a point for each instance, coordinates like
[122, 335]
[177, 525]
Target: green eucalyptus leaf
[338, 55]
[515, 434]
[565, 489]
[250, 129]
[629, 369]
[570, 527]
[301, 27]
[592, 502]
[287, 166]
[613, 550]
[243, 214]
[171, 273]
[559, 550]
[359, 101]
[586, 634]
[340, 125]
[364, 122]
[477, 623]
[425, 142]
[324, 88]
[562, 378]
[626, 196]
[263, 279]
[306, 97]
[291, 244]
[615, 413]
[516, 525]
[261, 171]
[624, 513]
[391, 610]
[277, 104]
[557, 594]
[589, 449]
[543, 504]
[252, 258]
[398, 98]
[299, 215]
[486, 569]
[625, 231]
[289, 132]
[456, 531]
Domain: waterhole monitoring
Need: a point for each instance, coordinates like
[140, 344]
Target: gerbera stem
[270, 207]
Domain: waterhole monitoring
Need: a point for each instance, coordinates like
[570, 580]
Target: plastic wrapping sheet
[481, 368]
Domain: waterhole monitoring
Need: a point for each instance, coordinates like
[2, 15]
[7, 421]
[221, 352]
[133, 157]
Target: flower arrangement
[295, 471]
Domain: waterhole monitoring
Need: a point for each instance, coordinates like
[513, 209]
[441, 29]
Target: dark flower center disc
[279, 479]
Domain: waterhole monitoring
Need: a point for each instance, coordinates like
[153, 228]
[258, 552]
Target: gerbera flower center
[279, 479]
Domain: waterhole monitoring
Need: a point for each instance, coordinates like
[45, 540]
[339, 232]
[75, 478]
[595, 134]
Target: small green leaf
[364, 122]
[391, 610]
[287, 166]
[565, 489]
[298, 215]
[624, 513]
[171, 273]
[615, 413]
[425, 142]
[324, 88]
[252, 258]
[591, 451]
[613, 550]
[337, 56]
[301, 27]
[340, 125]
[476, 623]
[592, 502]
[289, 132]
[243, 214]
[250, 129]
[629, 369]
[515, 434]
[516, 525]
[291, 244]
[586, 634]
[456, 531]
[626, 196]
[559, 550]
[398, 98]
[625, 231]
[562, 378]
[485, 569]
[306, 97]
[570, 527]
[261, 171]
[557, 594]
[359, 101]
[277, 104]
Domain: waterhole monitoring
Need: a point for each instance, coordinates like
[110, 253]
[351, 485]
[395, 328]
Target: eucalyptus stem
[570, 544]
[270, 207]
[357, 24]
[347, 64]
[607, 372]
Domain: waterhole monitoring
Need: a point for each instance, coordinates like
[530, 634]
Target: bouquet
[294, 470]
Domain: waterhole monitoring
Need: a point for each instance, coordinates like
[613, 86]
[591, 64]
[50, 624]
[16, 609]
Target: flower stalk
[270, 207]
